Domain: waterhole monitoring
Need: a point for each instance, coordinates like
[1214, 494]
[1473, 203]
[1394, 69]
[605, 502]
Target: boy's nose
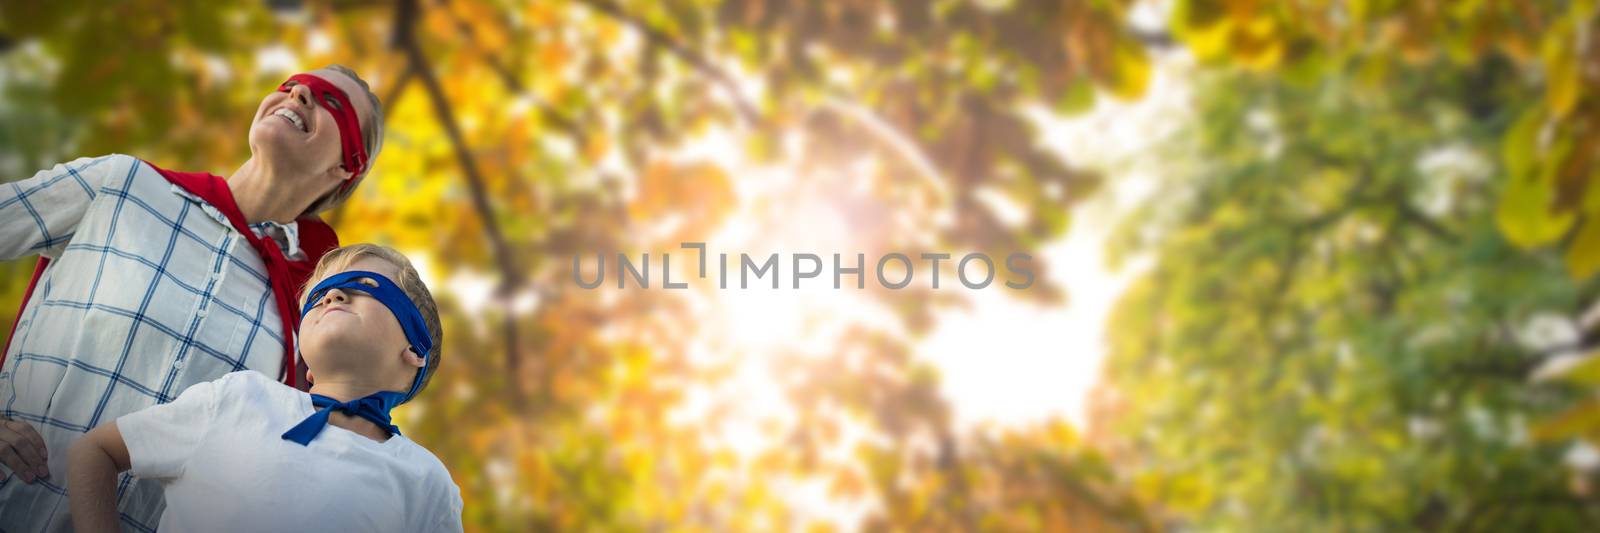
[334, 295]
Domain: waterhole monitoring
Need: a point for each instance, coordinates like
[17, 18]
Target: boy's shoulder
[425, 457]
[246, 378]
[249, 383]
[436, 474]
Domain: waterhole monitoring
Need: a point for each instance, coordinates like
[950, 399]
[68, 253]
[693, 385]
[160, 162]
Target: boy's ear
[413, 359]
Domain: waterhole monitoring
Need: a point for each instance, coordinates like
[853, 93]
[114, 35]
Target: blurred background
[1301, 266]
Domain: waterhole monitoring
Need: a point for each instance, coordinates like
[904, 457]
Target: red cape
[287, 277]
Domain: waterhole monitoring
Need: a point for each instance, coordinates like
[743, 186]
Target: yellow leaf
[1591, 194]
[1202, 28]
[1258, 45]
[1521, 141]
[1584, 373]
[1132, 72]
[1562, 86]
[1581, 420]
[1562, 73]
[1583, 256]
[1524, 214]
[597, 147]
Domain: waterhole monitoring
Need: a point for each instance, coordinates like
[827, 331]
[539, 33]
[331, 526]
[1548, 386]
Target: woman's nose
[301, 93]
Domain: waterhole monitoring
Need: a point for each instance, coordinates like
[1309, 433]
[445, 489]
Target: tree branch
[1587, 343]
[395, 89]
[661, 40]
[510, 276]
[515, 86]
[1428, 224]
[1589, 321]
[1530, 17]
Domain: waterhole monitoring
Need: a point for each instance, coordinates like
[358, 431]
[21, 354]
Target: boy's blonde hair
[339, 259]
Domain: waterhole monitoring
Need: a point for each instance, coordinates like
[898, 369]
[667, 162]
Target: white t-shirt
[219, 454]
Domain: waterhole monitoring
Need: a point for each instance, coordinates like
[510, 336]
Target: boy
[245, 453]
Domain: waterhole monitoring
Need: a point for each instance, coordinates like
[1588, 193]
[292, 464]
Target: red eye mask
[330, 97]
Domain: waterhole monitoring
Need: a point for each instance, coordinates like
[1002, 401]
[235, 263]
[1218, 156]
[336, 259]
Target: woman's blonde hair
[340, 259]
[371, 136]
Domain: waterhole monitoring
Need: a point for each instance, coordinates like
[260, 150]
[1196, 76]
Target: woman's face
[294, 132]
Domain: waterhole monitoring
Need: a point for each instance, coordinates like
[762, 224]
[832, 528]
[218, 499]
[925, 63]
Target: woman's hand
[22, 450]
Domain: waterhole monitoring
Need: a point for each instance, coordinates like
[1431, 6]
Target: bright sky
[1007, 362]
[1003, 362]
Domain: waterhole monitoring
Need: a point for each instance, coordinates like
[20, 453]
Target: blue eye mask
[375, 407]
[390, 295]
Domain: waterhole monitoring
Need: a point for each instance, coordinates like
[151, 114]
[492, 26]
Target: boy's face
[310, 146]
[351, 335]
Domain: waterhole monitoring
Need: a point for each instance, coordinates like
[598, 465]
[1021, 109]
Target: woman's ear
[337, 175]
[342, 174]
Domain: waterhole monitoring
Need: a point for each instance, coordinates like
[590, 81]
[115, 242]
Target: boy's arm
[93, 465]
[449, 519]
[151, 443]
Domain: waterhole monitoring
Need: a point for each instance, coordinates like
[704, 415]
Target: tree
[1329, 336]
[1552, 195]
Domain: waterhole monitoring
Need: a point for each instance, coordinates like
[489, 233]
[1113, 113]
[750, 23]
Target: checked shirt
[149, 290]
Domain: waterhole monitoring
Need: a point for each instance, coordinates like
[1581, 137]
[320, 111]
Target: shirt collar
[286, 236]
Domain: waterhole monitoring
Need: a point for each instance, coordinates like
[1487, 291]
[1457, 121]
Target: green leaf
[1077, 99]
[1524, 215]
[1520, 143]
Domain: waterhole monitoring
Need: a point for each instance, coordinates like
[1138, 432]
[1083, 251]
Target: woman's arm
[93, 465]
[39, 215]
